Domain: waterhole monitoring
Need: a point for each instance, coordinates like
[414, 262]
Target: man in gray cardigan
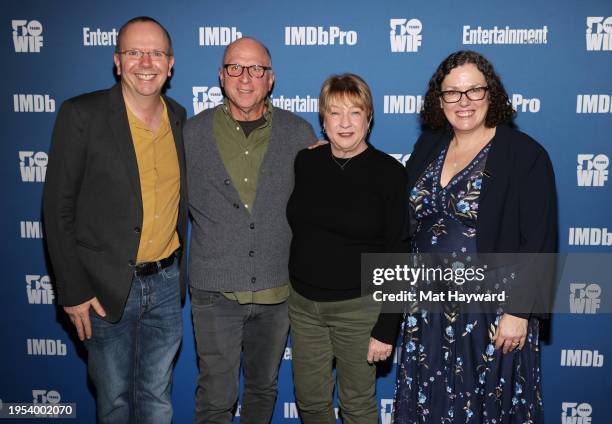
[239, 177]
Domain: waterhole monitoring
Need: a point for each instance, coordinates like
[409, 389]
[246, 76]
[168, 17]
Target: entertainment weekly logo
[33, 166]
[598, 33]
[400, 157]
[405, 35]
[97, 37]
[27, 36]
[206, 98]
[386, 411]
[593, 103]
[319, 36]
[218, 36]
[584, 298]
[296, 104]
[575, 413]
[592, 170]
[504, 35]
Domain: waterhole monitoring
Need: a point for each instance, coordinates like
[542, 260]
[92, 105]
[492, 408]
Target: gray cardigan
[232, 249]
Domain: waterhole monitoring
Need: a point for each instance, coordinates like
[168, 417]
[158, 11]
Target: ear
[117, 63]
[221, 76]
[170, 65]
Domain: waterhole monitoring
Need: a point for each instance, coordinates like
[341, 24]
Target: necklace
[341, 165]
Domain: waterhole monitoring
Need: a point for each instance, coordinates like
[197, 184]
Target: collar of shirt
[267, 114]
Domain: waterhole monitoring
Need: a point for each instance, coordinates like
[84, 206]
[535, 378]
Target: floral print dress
[450, 371]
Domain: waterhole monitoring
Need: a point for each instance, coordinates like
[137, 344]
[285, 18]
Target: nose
[464, 101]
[245, 77]
[146, 59]
[345, 121]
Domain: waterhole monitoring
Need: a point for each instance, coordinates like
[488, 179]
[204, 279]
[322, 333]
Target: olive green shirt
[242, 157]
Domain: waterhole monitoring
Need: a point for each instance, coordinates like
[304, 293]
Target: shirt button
[156, 216]
[252, 226]
[246, 180]
[246, 206]
[237, 128]
[253, 280]
[251, 253]
[150, 241]
[246, 152]
[226, 182]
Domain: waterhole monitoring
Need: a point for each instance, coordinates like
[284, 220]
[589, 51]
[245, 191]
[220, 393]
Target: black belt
[150, 268]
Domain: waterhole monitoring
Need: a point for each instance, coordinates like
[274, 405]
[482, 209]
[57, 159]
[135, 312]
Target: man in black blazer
[115, 218]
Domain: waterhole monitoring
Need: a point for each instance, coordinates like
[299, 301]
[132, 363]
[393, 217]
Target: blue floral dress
[450, 371]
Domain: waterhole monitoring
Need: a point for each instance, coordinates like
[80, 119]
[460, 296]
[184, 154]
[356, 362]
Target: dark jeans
[130, 362]
[224, 329]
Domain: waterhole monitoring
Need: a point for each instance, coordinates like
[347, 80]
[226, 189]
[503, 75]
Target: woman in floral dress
[477, 186]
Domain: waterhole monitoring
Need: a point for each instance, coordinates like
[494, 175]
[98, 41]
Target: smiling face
[465, 116]
[246, 94]
[143, 77]
[346, 125]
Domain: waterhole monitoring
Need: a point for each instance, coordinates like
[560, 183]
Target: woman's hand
[378, 351]
[511, 333]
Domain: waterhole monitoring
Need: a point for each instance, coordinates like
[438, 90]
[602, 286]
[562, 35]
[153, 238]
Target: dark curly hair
[500, 109]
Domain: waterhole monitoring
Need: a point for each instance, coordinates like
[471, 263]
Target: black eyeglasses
[135, 54]
[453, 96]
[236, 70]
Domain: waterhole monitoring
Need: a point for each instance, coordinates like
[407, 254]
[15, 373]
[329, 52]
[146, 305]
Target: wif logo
[584, 298]
[401, 158]
[405, 35]
[206, 98]
[39, 290]
[574, 413]
[46, 347]
[592, 170]
[33, 166]
[598, 33]
[319, 36]
[386, 411]
[287, 356]
[27, 36]
[218, 36]
[46, 396]
[33, 103]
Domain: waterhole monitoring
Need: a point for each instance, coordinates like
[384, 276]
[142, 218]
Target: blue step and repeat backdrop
[555, 58]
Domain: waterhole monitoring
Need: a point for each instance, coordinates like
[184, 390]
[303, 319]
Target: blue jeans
[130, 362]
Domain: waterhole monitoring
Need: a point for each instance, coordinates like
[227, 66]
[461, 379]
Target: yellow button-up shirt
[160, 182]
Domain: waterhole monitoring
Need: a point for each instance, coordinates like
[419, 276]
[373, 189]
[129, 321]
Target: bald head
[249, 44]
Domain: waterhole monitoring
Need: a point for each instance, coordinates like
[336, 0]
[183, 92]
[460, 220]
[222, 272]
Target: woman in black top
[349, 199]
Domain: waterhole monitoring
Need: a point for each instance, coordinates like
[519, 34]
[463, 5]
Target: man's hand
[378, 351]
[511, 333]
[79, 315]
[317, 144]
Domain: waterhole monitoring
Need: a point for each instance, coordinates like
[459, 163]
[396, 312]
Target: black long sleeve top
[337, 213]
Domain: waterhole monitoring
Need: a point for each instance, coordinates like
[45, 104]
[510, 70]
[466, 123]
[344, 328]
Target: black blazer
[517, 211]
[92, 203]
